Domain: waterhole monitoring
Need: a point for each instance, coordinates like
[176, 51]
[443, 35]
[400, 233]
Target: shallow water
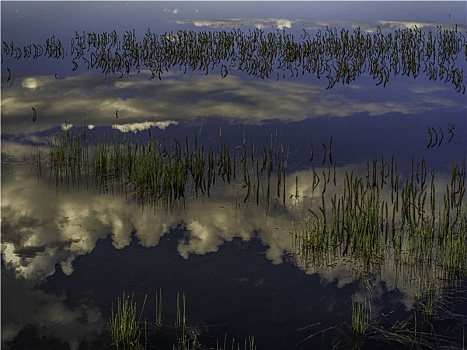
[69, 252]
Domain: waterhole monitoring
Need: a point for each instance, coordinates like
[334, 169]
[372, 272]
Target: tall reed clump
[147, 172]
[124, 324]
[126, 328]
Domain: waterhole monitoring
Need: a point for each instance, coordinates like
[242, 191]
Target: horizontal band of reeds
[339, 56]
[161, 174]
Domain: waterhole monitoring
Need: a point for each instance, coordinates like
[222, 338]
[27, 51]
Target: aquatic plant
[339, 55]
[414, 228]
[184, 342]
[370, 219]
[124, 325]
[157, 174]
[159, 319]
[126, 329]
[361, 318]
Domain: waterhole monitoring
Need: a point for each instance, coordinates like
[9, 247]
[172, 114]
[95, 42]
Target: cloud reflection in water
[96, 99]
[43, 228]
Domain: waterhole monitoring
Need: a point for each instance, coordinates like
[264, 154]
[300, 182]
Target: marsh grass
[184, 342]
[128, 331]
[159, 318]
[362, 222]
[339, 56]
[124, 324]
[67, 157]
[157, 173]
[367, 330]
[368, 219]
[248, 344]
[417, 226]
[415, 229]
[361, 318]
[407, 334]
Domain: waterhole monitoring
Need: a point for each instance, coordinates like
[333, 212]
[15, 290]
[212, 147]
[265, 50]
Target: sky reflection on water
[68, 254]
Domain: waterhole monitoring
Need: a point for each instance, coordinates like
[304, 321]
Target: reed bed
[372, 219]
[372, 216]
[340, 56]
[159, 174]
[67, 157]
[414, 223]
[380, 222]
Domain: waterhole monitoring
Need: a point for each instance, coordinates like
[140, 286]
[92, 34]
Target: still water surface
[69, 252]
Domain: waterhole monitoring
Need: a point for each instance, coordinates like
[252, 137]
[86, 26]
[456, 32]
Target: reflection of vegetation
[435, 142]
[340, 56]
[34, 114]
[126, 331]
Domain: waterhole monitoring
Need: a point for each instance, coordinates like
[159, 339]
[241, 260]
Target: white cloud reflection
[236, 22]
[94, 100]
[368, 26]
[135, 127]
[42, 228]
[30, 83]
[66, 126]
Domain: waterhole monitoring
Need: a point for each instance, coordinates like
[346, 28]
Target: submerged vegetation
[339, 56]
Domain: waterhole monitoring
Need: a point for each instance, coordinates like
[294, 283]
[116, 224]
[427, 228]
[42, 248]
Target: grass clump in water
[125, 326]
[361, 316]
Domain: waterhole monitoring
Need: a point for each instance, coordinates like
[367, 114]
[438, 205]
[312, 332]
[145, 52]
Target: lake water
[323, 205]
